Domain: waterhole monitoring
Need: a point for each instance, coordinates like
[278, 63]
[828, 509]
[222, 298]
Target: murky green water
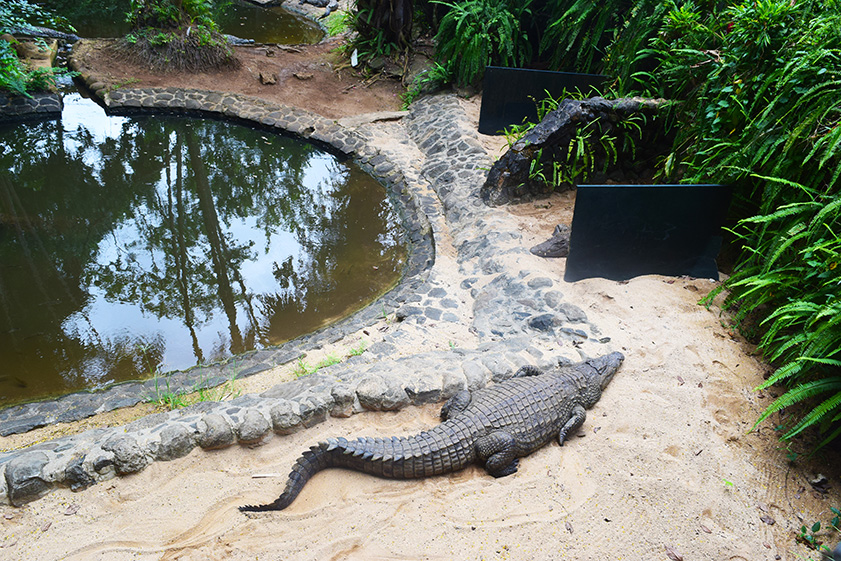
[93, 18]
[128, 244]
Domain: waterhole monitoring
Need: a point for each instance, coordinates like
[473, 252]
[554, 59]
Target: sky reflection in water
[132, 244]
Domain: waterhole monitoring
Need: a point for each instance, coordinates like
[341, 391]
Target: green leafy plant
[809, 536]
[338, 22]
[476, 33]
[591, 145]
[20, 14]
[19, 79]
[428, 80]
[15, 76]
[579, 32]
[756, 85]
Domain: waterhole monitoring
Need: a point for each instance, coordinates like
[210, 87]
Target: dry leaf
[768, 520]
[46, 526]
[71, 510]
[569, 527]
[680, 381]
[706, 530]
[673, 555]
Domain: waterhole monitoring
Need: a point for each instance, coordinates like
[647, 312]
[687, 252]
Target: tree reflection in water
[129, 244]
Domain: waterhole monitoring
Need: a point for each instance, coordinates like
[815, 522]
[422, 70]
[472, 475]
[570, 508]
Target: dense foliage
[759, 85]
[757, 91]
[177, 35]
[478, 33]
[17, 14]
[15, 76]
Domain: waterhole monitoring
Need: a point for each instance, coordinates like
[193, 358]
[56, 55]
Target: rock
[303, 75]
[500, 368]
[382, 393]
[24, 479]
[315, 409]
[452, 382]
[176, 442]
[254, 427]
[343, 398]
[426, 389]
[573, 313]
[510, 176]
[544, 322]
[77, 476]
[268, 78]
[214, 432]
[477, 376]
[556, 246]
[356, 121]
[128, 455]
[286, 417]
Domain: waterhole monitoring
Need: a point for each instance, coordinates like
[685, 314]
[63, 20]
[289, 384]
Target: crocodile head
[606, 366]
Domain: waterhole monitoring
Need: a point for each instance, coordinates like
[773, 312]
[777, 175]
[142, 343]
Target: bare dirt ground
[664, 467]
[311, 77]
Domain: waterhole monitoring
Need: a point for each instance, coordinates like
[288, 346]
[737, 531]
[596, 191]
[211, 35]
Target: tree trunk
[392, 17]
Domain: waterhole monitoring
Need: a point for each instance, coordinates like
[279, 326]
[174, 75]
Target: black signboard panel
[623, 231]
[509, 94]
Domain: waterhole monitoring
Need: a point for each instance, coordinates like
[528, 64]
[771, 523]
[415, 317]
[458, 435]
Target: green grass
[302, 368]
[170, 399]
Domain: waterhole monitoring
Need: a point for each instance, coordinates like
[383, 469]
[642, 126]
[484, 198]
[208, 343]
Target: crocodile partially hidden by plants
[494, 426]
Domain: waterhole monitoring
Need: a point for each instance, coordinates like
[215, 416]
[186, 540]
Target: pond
[274, 24]
[130, 245]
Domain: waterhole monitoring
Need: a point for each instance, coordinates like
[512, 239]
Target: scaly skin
[495, 426]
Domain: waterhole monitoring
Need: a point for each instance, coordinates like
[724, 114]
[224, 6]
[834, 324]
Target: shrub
[172, 35]
[477, 33]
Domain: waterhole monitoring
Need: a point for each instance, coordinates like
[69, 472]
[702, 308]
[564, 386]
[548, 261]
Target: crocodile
[494, 426]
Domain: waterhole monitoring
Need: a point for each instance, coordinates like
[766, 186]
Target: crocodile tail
[308, 464]
[430, 453]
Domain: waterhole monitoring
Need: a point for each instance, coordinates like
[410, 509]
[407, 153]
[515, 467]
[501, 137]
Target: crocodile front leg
[499, 452]
[573, 424]
[526, 371]
[456, 404]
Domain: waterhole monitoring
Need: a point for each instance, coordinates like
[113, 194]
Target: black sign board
[509, 95]
[623, 231]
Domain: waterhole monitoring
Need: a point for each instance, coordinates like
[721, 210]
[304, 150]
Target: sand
[664, 467]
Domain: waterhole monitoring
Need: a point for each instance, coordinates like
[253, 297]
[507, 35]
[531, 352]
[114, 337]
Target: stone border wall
[280, 119]
[40, 105]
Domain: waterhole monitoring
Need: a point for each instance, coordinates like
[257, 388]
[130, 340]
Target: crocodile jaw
[606, 366]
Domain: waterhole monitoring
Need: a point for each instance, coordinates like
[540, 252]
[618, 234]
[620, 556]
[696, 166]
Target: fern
[478, 33]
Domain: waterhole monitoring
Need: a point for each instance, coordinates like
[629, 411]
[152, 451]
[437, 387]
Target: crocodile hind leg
[499, 452]
[456, 405]
[573, 424]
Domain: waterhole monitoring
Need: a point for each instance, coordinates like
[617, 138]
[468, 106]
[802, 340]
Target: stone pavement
[469, 277]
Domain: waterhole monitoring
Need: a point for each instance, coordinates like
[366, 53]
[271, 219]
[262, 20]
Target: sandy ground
[663, 468]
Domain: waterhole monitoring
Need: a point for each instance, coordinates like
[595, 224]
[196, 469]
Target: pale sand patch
[665, 460]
